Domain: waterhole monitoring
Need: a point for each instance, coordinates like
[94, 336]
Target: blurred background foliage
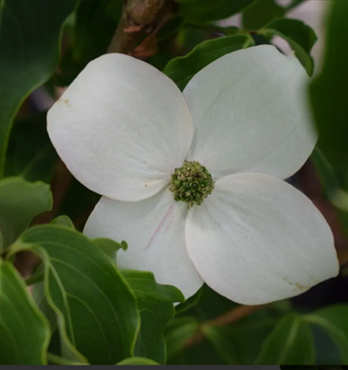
[44, 45]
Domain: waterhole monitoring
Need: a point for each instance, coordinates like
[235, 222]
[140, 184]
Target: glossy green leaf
[20, 202]
[325, 171]
[94, 28]
[228, 31]
[189, 303]
[201, 353]
[240, 342]
[325, 349]
[210, 305]
[30, 153]
[177, 332]
[137, 361]
[24, 331]
[68, 70]
[182, 69]
[246, 335]
[155, 303]
[114, 9]
[237, 343]
[39, 296]
[198, 11]
[110, 247]
[28, 54]
[299, 35]
[328, 93]
[293, 4]
[63, 221]
[57, 360]
[96, 311]
[331, 185]
[228, 350]
[260, 13]
[334, 320]
[290, 343]
[173, 26]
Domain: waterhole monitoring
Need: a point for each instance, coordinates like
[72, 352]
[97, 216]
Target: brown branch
[234, 315]
[139, 18]
[226, 319]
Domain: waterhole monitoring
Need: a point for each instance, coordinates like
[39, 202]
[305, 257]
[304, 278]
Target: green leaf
[63, 221]
[328, 93]
[331, 185]
[155, 303]
[300, 37]
[30, 153]
[172, 27]
[110, 247]
[334, 320]
[325, 171]
[244, 337]
[260, 13]
[236, 343]
[29, 54]
[20, 202]
[24, 332]
[137, 361]
[221, 341]
[96, 311]
[248, 334]
[39, 296]
[290, 343]
[177, 332]
[94, 29]
[189, 303]
[202, 353]
[200, 12]
[182, 69]
[114, 9]
[211, 305]
[325, 349]
[95, 24]
[293, 4]
[57, 360]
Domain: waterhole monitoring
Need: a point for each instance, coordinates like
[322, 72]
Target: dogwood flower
[193, 180]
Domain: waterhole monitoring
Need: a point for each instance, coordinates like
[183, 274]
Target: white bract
[123, 127]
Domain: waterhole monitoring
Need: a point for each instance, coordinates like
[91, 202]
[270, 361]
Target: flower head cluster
[126, 131]
[191, 183]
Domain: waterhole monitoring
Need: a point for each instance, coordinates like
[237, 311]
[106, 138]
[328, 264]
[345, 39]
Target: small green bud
[191, 183]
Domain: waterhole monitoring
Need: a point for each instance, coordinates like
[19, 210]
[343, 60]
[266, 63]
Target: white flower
[122, 128]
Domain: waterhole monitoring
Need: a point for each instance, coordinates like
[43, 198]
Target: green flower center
[191, 183]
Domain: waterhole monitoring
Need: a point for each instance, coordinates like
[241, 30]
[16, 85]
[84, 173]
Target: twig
[234, 315]
[226, 319]
[139, 18]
